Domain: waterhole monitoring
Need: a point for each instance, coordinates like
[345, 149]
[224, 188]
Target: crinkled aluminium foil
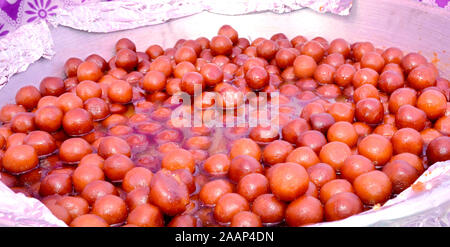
[23, 47]
[18, 210]
[121, 15]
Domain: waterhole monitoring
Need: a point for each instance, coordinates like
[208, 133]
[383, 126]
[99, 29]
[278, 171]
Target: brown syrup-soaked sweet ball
[169, 193]
[369, 111]
[228, 206]
[246, 219]
[321, 122]
[293, 129]
[355, 165]
[407, 140]
[412, 159]
[242, 165]
[409, 116]
[343, 132]
[184, 221]
[154, 51]
[304, 156]
[269, 208]
[85, 174]
[329, 91]
[401, 174]
[87, 71]
[334, 153]
[20, 158]
[28, 97]
[69, 101]
[96, 189]
[334, 187]
[113, 145]
[400, 97]
[211, 191]
[126, 59]
[111, 208]
[392, 55]
[313, 49]
[267, 49]
[98, 108]
[75, 206]
[162, 64]
[135, 178]
[52, 86]
[340, 46]
[342, 205]
[212, 74]
[285, 57]
[365, 91]
[77, 122]
[342, 111]
[321, 173]
[192, 81]
[421, 77]
[365, 76]
[23, 122]
[360, 49]
[117, 166]
[230, 32]
[47, 101]
[89, 220]
[343, 75]
[334, 59]
[411, 61]
[304, 66]
[288, 173]
[120, 92]
[433, 103]
[390, 81]
[60, 212]
[2, 143]
[443, 125]
[100, 61]
[178, 159]
[146, 215]
[252, 185]
[303, 211]
[372, 60]
[55, 184]
[257, 77]
[310, 109]
[373, 187]
[185, 53]
[245, 146]
[88, 89]
[313, 139]
[217, 164]
[437, 150]
[276, 152]
[198, 143]
[377, 148]
[74, 149]
[264, 134]
[125, 43]
[221, 45]
[15, 140]
[9, 111]
[71, 66]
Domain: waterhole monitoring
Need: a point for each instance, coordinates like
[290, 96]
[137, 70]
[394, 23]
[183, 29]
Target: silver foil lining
[23, 47]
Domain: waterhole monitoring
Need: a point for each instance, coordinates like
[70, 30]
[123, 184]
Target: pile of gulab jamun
[99, 146]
